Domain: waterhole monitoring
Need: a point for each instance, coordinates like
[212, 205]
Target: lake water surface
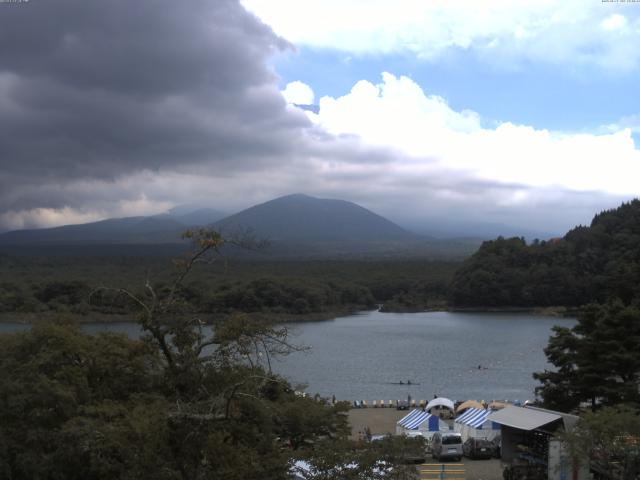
[361, 356]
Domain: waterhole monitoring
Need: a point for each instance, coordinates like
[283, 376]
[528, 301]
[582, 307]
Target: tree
[67, 397]
[597, 361]
[610, 439]
[185, 402]
[390, 458]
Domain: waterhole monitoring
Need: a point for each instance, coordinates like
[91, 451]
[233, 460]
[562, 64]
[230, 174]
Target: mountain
[197, 216]
[294, 225]
[156, 229]
[293, 219]
[303, 219]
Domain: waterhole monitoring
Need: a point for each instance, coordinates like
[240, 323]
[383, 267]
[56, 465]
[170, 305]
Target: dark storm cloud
[93, 89]
[145, 48]
[114, 103]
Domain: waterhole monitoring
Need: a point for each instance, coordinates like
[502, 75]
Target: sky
[525, 113]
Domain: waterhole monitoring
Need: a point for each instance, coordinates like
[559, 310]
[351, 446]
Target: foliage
[610, 439]
[597, 361]
[589, 264]
[387, 458]
[185, 402]
[298, 289]
[62, 390]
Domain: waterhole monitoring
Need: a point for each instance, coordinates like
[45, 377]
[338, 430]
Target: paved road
[467, 469]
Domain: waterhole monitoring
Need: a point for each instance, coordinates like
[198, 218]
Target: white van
[446, 445]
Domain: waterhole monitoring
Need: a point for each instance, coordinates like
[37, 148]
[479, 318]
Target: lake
[361, 356]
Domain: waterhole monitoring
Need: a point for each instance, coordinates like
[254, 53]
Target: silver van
[446, 445]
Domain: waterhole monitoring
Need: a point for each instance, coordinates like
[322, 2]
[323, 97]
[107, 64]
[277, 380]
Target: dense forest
[176, 404]
[45, 287]
[589, 264]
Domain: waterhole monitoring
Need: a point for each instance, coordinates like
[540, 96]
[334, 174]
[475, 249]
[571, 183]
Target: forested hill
[593, 263]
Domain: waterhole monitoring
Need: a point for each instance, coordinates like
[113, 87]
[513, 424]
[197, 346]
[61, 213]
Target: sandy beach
[380, 420]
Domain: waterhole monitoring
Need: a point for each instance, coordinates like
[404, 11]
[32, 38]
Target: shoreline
[207, 318]
[554, 311]
[280, 318]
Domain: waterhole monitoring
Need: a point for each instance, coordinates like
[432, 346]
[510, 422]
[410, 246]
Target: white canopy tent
[474, 424]
[441, 402]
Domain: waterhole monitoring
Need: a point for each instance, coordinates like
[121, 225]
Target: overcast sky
[520, 112]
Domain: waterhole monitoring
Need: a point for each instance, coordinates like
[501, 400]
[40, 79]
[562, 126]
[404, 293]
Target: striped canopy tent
[420, 422]
[474, 424]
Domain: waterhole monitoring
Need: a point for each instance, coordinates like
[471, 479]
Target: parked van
[446, 445]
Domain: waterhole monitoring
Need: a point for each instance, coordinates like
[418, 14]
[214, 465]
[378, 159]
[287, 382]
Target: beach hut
[418, 422]
[474, 424]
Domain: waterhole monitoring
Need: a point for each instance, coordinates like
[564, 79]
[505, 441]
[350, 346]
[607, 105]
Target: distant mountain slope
[594, 263]
[200, 216]
[164, 228]
[453, 228]
[113, 230]
[303, 219]
[297, 226]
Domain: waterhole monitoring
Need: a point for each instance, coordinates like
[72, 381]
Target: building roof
[524, 418]
[568, 419]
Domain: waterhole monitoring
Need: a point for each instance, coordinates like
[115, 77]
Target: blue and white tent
[474, 424]
[419, 422]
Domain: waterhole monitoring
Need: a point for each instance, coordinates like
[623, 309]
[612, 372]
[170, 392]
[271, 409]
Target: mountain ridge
[153, 229]
[295, 225]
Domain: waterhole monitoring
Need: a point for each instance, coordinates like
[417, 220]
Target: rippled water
[360, 356]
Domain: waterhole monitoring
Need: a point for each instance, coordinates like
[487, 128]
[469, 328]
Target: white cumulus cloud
[434, 137]
[299, 93]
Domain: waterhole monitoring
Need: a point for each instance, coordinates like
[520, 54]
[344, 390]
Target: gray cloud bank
[123, 107]
[97, 90]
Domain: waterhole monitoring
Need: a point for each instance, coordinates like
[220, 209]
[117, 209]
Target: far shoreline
[278, 318]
